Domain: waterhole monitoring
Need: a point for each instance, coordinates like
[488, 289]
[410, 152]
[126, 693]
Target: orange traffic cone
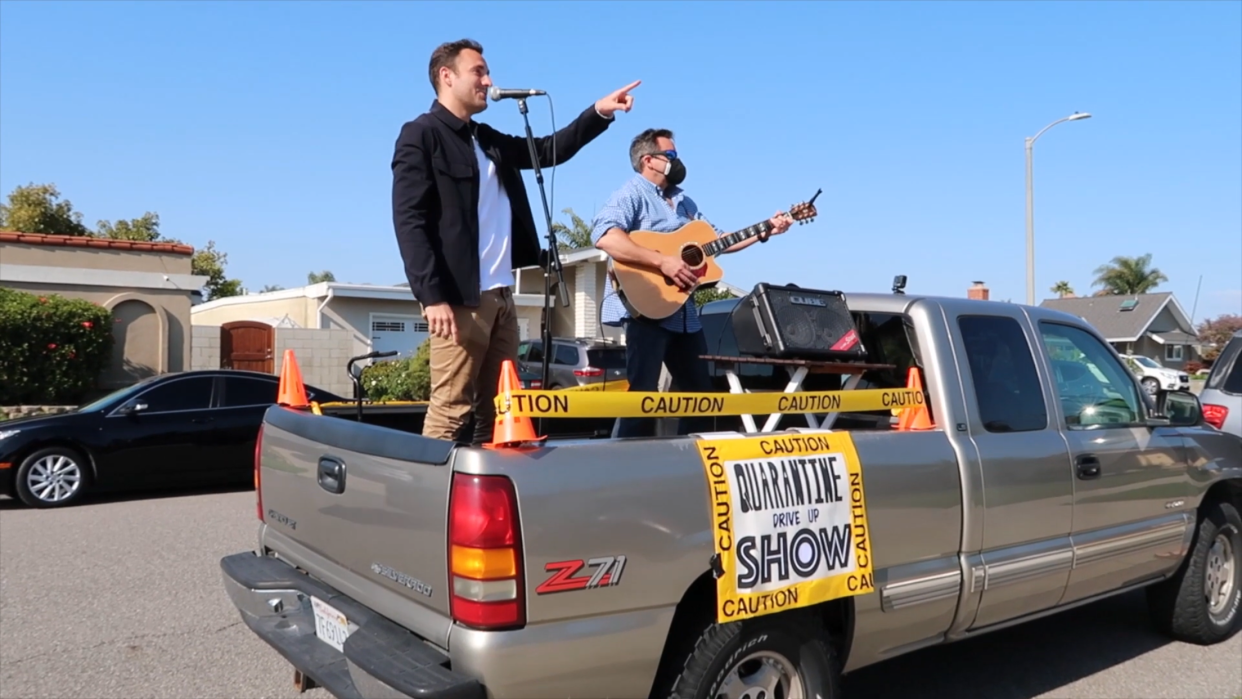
[511, 431]
[917, 417]
[292, 391]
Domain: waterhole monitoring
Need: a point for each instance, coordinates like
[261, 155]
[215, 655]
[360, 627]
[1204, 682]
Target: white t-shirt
[495, 226]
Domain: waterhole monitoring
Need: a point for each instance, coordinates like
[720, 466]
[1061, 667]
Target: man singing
[463, 224]
[653, 201]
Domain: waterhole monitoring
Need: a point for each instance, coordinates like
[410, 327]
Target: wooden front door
[247, 345]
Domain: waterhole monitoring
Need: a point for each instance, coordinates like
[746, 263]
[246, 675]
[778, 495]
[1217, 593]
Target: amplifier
[788, 322]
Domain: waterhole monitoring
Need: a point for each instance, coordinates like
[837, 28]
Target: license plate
[331, 626]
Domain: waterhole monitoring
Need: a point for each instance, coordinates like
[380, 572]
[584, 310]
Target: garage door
[402, 334]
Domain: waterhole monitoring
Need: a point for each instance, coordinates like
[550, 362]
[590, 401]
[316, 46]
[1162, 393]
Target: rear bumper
[380, 659]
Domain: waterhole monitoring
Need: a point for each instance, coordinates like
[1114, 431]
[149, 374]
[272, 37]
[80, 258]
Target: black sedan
[194, 427]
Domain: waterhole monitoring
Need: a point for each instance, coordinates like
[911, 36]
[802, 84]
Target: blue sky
[269, 127]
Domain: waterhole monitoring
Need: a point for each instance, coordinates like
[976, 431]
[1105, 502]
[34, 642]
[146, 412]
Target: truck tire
[1200, 604]
[782, 656]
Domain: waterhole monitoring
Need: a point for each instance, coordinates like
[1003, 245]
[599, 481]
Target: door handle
[1088, 466]
[331, 474]
[202, 420]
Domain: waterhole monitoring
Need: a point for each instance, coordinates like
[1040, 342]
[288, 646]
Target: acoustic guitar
[649, 292]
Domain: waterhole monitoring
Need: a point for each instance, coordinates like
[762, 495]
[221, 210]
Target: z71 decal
[605, 571]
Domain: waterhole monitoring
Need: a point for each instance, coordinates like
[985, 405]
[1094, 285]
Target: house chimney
[978, 291]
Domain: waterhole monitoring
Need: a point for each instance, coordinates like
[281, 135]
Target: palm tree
[1128, 275]
[1063, 289]
[575, 238]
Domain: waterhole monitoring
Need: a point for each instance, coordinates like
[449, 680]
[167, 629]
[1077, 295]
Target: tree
[1063, 289]
[145, 229]
[1215, 332]
[209, 262]
[316, 277]
[35, 209]
[715, 293]
[1128, 275]
[575, 238]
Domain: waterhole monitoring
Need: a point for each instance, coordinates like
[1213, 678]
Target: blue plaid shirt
[640, 206]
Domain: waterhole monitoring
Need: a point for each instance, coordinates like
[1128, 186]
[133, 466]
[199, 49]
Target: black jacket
[435, 197]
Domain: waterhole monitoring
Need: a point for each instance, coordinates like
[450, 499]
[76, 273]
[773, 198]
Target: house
[1151, 325]
[386, 318]
[147, 286]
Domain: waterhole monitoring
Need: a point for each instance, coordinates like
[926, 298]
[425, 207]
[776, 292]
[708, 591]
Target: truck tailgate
[362, 508]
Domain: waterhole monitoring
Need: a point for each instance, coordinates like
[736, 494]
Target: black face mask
[675, 171]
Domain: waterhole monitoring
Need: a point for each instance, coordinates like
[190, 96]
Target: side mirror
[132, 408]
[1177, 408]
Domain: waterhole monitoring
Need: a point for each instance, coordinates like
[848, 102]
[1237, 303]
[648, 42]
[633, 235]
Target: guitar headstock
[805, 212]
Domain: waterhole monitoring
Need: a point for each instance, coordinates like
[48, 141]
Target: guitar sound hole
[692, 255]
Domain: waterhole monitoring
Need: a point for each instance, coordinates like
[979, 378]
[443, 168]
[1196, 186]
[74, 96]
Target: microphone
[500, 93]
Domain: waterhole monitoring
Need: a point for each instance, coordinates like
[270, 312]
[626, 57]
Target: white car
[1154, 377]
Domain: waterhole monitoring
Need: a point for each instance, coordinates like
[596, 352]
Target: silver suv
[576, 361]
[1222, 394]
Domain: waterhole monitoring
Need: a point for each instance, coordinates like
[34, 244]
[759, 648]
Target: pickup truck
[393, 565]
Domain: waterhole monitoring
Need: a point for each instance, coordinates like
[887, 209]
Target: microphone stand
[554, 260]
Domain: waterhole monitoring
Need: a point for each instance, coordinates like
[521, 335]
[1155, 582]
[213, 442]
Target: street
[121, 597]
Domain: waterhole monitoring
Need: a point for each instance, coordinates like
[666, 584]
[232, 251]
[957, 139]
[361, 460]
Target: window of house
[1173, 353]
[1002, 371]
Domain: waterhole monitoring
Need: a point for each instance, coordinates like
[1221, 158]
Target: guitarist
[653, 201]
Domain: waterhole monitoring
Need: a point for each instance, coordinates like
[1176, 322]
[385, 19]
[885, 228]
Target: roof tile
[75, 241]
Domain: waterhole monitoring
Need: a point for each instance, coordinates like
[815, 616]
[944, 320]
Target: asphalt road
[122, 598]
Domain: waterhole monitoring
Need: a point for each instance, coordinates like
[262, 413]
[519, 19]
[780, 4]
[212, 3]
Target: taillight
[485, 553]
[258, 485]
[1215, 415]
[588, 371]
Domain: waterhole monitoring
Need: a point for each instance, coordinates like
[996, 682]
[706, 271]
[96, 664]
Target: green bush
[52, 348]
[400, 380]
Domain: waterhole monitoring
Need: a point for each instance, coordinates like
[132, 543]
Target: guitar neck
[725, 242]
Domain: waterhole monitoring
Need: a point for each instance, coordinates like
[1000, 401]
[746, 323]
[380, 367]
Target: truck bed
[383, 539]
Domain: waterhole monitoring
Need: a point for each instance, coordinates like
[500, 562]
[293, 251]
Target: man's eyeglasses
[670, 154]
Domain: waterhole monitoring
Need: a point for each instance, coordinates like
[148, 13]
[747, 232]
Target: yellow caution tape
[572, 404]
[609, 387]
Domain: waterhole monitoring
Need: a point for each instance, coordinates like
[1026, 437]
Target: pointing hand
[618, 100]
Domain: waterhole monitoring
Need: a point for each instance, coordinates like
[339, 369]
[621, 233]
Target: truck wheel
[52, 477]
[1200, 604]
[777, 657]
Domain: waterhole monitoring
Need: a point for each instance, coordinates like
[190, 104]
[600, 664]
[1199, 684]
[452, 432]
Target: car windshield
[1147, 362]
[116, 396]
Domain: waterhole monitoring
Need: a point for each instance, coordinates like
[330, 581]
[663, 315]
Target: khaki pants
[464, 376]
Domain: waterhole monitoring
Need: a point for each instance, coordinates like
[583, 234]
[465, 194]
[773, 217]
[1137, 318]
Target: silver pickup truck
[749, 564]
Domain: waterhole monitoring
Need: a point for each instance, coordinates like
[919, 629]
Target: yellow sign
[536, 403]
[789, 521]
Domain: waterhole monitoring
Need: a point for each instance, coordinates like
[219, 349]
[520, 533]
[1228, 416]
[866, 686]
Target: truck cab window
[1002, 372]
[1094, 387]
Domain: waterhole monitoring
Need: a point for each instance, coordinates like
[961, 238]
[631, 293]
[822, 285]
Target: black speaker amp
[788, 322]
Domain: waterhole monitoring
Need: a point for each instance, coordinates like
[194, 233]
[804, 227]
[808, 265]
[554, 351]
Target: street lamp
[1030, 207]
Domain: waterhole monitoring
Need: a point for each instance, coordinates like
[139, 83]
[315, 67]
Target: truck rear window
[1002, 369]
[606, 358]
